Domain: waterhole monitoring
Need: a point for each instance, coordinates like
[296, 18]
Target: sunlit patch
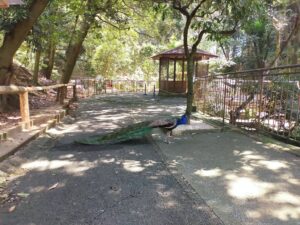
[286, 197]
[75, 168]
[150, 163]
[209, 173]
[286, 213]
[253, 214]
[171, 204]
[133, 166]
[273, 165]
[248, 168]
[107, 160]
[69, 129]
[247, 188]
[254, 157]
[68, 156]
[43, 165]
[246, 153]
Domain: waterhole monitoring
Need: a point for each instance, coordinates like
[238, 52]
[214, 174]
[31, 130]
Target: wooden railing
[24, 101]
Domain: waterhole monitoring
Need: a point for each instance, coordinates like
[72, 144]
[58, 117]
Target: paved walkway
[53, 181]
[242, 180]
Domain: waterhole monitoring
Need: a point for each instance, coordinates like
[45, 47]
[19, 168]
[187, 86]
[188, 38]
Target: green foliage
[9, 17]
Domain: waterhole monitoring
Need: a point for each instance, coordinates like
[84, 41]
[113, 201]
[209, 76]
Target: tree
[14, 36]
[215, 18]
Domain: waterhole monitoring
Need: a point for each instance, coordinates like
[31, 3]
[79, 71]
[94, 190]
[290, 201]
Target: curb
[10, 147]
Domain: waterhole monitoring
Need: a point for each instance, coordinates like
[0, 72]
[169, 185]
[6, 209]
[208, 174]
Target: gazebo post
[174, 79]
[159, 79]
[168, 73]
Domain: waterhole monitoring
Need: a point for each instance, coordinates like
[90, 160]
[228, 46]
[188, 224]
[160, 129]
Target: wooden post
[168, 74]
[75, 91]
[63, 93]
[24, 109]
[159, 73]
[174, 78]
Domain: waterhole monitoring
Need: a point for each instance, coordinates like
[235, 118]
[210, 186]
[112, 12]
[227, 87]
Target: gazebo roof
[7, 3]
[178, 53]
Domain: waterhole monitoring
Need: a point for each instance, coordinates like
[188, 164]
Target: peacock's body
[133, 131]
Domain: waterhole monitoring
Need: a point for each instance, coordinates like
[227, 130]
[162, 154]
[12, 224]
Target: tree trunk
[190, 86]
[36, 66]
[13, 40]
[49, 61]
[75, 47]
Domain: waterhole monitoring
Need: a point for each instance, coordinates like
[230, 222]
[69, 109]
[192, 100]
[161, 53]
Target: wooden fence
[24, 101]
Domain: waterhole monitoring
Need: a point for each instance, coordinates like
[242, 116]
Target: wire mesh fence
[263, 99]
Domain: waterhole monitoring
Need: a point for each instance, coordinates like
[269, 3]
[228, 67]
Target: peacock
[134, 131]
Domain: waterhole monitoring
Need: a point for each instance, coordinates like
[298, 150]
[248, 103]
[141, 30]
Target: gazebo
[172, 69]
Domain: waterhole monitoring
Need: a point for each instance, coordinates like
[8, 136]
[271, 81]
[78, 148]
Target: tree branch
[193, 13]
[183, 9]
[197, 42]
[111, 24]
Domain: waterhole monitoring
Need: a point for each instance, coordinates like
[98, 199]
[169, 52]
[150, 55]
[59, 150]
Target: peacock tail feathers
[133, 131]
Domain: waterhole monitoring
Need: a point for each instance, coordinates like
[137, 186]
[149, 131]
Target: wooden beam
[17, 89]
[24, 109]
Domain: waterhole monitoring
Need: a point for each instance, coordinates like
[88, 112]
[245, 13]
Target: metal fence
[256, 100]
[123, 86]
[88, 87]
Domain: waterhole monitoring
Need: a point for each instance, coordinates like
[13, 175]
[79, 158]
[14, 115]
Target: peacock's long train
[133, 131]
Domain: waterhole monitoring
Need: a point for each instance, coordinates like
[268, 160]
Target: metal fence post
[261, 86]
[224, 101]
